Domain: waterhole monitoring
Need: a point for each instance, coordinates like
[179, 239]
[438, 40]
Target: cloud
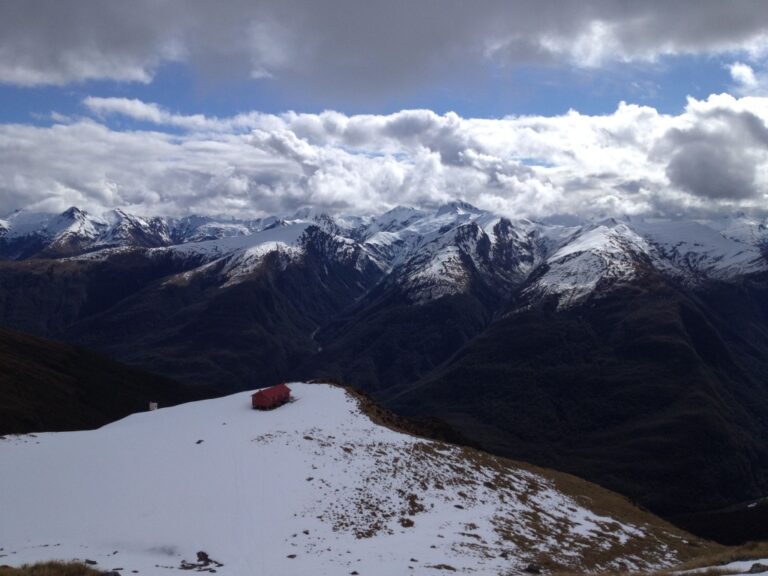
[718, 152]
[749, 80]
[347, 47]
[743, 74]
[156, 114]
[706, 167]
[711, 158]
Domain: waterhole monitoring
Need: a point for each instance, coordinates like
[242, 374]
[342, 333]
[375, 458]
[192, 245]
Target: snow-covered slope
[742, 228]
[234, 257]
[434, 254]
[75, 231]
[613, 252]
[73, 223]
[78, 232]
[202, 228]
[693, 252]
[129, 229]
[606, 253]
[278, 235]
[314, 487]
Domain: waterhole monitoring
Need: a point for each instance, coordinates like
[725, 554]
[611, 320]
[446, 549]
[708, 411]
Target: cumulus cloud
[353, 47]
[712, 157]
[717, 154]
[749, 80]
[707, 167]
[743, 74]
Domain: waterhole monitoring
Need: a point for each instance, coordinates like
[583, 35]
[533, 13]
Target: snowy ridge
[74, 224]
[54, 226]
[427, 254]
[438, 268]
[235, 257]
[613, 252]
[436, 254]
[314, 487]
[286, 234]
[203, 228]
[742, 228]
[605, 253]
[86, 232]
[402, 232]
[693, 251]
[75, 231]
[126, 229]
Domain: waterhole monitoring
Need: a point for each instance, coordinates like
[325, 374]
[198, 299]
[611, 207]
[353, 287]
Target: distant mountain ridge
[26, 234]
[431, 253]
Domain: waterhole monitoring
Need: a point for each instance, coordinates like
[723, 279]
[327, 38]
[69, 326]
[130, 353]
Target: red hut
[268, 398]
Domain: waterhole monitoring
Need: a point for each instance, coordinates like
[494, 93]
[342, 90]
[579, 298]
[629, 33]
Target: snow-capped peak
[693, 251]
[135, 230]
[71, 224]
[609, 238]
[457, 207]
[613, 251]
[76, 222]
[605, 253]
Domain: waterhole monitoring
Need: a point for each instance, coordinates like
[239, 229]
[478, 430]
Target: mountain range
[630, 351]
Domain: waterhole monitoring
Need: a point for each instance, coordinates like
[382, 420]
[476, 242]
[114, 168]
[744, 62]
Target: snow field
[313, 487]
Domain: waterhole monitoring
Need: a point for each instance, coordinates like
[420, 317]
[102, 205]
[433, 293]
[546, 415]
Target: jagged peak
[457, 207]
[278, 223]
[400, 209]
[74, 212]
[118, 216]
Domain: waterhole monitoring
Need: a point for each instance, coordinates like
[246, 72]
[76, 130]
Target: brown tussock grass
[752, 551]
[726, 555]
[689, 550]
[50, 569]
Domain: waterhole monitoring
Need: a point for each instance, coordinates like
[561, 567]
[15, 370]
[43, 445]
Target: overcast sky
[531, 108]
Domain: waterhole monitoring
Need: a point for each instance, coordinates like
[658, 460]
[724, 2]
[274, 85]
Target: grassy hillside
[47, 386]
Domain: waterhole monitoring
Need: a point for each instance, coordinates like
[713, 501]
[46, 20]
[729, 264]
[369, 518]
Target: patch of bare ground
[711, 571]
[724, 555]
[204, 563]
[682, 547]
[51, 569]
[534, 521]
